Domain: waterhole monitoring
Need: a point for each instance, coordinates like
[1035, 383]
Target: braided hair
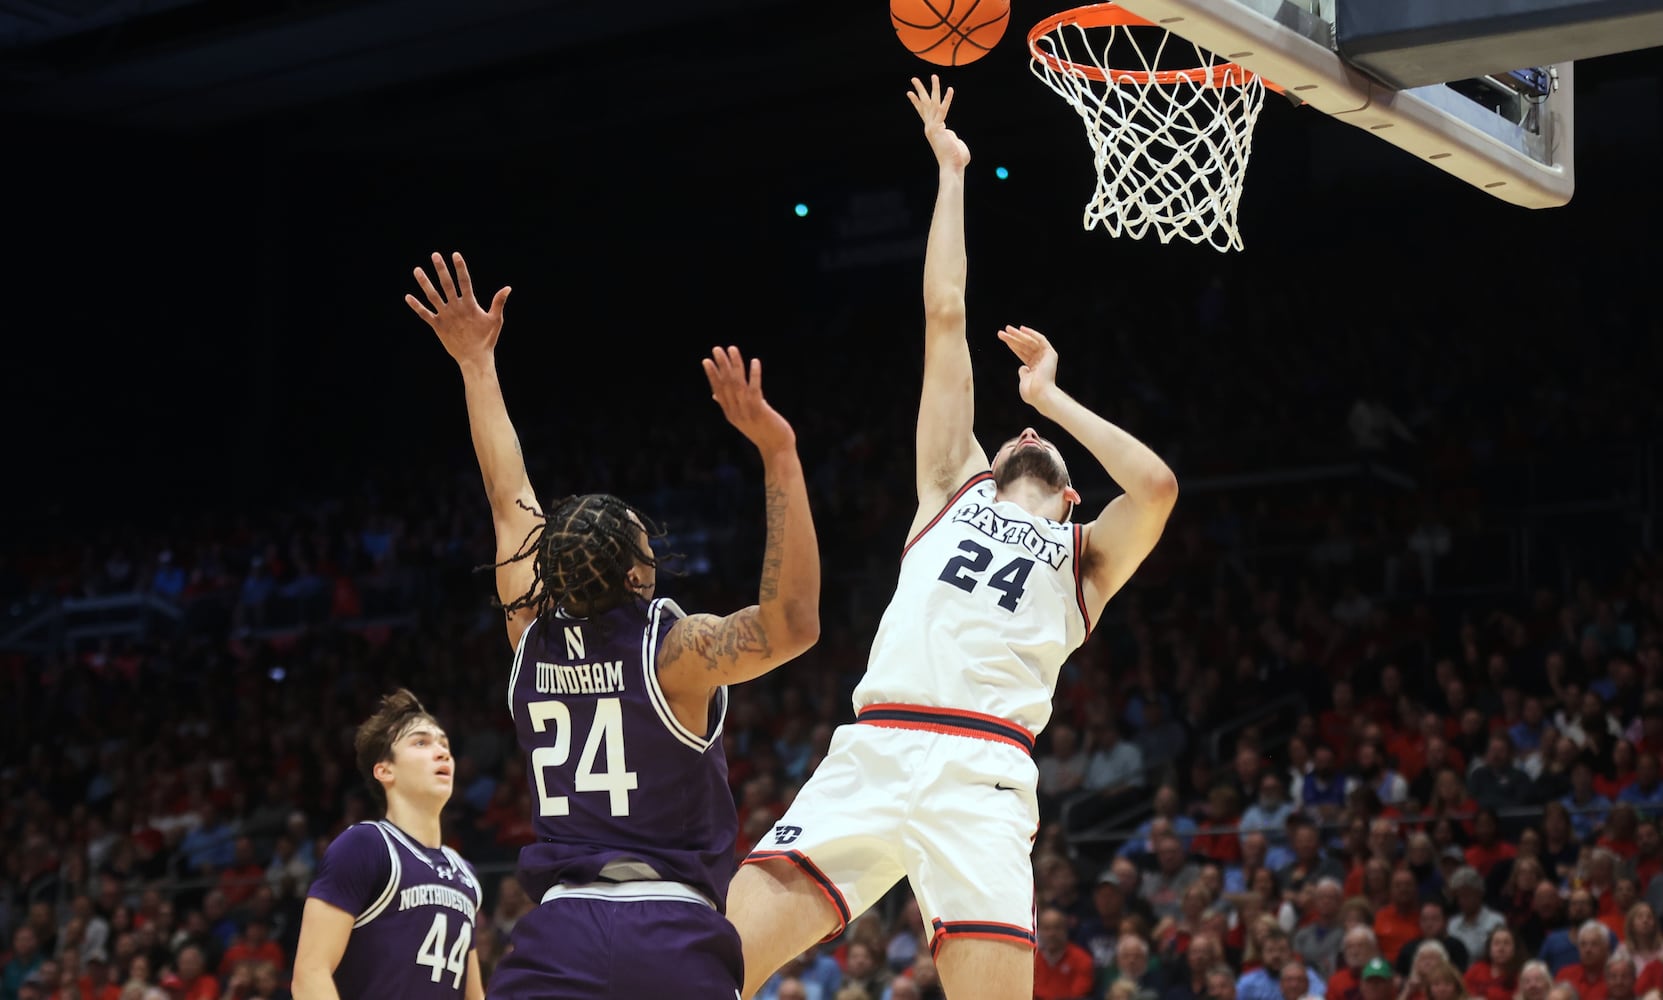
[582, 551]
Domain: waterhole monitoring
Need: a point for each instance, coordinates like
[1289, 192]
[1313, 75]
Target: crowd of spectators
[1470, 788]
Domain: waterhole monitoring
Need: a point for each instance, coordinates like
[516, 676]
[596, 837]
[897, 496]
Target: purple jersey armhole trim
[519, 654]
[655, 693]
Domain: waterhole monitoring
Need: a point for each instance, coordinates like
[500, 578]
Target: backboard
[1499, 124]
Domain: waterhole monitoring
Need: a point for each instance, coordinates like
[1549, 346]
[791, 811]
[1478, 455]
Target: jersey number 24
[964, 572]
[606, 740]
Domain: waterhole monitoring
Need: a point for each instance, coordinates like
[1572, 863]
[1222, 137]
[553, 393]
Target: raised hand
[468, 332]
[1037, 378]
[740, 398]
[950, 150]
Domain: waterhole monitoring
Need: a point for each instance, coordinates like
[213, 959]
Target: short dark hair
[373, 743]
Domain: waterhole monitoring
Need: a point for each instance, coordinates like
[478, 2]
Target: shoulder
[358, 840]
[362, 850]
[936, 503]
[695, 634]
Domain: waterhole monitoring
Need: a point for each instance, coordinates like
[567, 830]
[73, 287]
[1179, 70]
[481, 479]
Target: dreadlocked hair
[582, 551]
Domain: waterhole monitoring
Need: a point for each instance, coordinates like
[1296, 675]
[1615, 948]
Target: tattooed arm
[703, 652]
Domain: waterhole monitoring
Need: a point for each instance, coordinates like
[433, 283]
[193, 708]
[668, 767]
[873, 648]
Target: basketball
[950, 32]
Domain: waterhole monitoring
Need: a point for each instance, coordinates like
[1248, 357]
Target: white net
[1170, 147]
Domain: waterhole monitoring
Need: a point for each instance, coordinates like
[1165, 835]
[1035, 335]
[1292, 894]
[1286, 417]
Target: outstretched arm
[703, 652]
[948, 452]
[469, 334]
[1124, 534]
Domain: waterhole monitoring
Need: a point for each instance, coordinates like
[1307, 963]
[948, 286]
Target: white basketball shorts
[943, 797]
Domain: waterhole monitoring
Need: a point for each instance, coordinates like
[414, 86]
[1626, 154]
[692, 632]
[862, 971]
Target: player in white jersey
[935, 781]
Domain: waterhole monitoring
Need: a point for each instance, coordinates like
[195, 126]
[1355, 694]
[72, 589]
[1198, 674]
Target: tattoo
[718, 641]
[771, 555]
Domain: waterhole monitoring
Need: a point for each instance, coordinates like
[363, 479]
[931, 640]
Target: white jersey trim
[463, 874]
[655, 693]
[519, 654]
[978, 479]
[669, 891]
[466, 876]
[410, 845]
[390, 892]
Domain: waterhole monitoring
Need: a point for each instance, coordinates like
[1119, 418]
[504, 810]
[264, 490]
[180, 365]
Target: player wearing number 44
[391, 912]
[934, 782]
[618, 698]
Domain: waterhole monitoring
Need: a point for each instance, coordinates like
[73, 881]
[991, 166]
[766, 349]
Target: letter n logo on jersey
[787, 834]
[574, 643]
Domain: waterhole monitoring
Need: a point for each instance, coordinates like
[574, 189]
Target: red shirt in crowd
[239, 883]
[203, 987]
[1646, 869]
[1612, 787]
[1395, 929]
[266, 951]
[1069, 979]
[1485, 858]
[1484, 983]
[1589, 985]
[1344, 985]
[1624, 849]
[1409, 750]
[1225, 848]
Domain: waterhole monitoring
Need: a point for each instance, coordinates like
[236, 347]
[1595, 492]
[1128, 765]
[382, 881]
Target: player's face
[422, 765]
[1050, 467]
[643, 578]
[1030, 456]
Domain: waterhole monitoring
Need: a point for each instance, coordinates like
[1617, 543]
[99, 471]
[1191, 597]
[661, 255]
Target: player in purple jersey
[391, 911]
[618, 698]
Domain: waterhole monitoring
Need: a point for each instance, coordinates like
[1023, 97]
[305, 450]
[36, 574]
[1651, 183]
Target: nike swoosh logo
[1004, 788]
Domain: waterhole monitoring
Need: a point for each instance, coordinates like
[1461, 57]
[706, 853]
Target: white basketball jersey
[988, 606]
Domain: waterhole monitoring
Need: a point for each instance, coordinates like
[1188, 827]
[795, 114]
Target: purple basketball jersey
[415, 907]
[591, 949]
[614, 776]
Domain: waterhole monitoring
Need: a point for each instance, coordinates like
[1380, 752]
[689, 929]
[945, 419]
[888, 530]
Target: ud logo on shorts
[787, 834]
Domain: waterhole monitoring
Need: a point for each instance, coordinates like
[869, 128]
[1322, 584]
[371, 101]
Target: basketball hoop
[1170, 145]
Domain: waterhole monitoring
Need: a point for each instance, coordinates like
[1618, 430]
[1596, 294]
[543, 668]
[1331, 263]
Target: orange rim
[1106, 15]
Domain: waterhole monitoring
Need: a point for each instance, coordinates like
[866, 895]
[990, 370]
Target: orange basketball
[950, 32]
